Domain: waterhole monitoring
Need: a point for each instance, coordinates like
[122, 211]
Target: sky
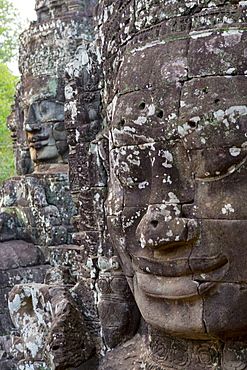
[26, 10]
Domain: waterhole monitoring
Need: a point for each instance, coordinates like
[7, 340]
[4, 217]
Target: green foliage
[10, 28]
[7, 89]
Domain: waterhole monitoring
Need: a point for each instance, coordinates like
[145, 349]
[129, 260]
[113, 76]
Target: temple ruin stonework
[123, 239]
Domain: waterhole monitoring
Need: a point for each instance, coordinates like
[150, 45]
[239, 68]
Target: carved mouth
[38, 141]
[180, 278]
[179, 266]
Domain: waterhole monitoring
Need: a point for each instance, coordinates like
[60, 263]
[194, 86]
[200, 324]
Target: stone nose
[162, 227]
[32, 122]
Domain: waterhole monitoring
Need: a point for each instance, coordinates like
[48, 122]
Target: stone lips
[185, 284]
[178, 267]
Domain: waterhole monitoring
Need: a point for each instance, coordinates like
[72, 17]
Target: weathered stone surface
[118, 313]
[214, 121]
[51, 326]
[155, 118]
[59, 275]
[178, 353]
[175, 104]
[88, 174]
[128, 356]
[18, 253]
[21, 262]
[41, 207]
[38, 208]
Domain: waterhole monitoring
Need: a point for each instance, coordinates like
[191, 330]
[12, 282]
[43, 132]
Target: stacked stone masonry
[124, 236]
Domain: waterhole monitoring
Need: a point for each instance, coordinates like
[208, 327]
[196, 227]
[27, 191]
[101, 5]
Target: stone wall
[36, 207]
[154, 107]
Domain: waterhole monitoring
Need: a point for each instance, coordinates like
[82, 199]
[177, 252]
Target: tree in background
[7, 89]
[10, 28]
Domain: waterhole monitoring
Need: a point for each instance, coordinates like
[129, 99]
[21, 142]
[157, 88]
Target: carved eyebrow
[229, 172]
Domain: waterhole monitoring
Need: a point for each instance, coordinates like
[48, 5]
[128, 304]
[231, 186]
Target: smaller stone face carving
[51, 325]
[44, 125]
[45, 49]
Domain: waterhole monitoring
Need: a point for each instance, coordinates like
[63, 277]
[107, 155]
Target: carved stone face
[44, 126]
[177, 200]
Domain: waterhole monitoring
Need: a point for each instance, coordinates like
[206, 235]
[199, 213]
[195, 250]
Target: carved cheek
[172, 175]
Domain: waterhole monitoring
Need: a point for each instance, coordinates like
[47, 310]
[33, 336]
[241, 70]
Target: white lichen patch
[230, 71]
[227, 209]
[184, 129]
[219, 115]
[128, 222]
[232, 37]
[169, 233]
[97, 197]
[167, 179]
[134, 160]
[143, 185]
[165, 154]
[140, 120]
[151, 110]
[172, 116]
[234, 151]
[15, 304]
[199, 34]
[71, 107]
[173, 198]
[69, 92]
[143, 241]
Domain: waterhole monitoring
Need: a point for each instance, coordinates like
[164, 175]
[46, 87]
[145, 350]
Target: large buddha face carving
[44, 125]
[177, 200]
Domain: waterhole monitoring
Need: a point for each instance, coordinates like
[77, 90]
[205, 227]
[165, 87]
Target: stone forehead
[203, 112]
[42, 88]
[147, 20]
[175, 35]
[160, 86]
[46, 48]
[51, 41]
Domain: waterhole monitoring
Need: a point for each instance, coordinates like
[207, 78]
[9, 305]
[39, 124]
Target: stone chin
[181, 318]
[48, 153]
[216, 314]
